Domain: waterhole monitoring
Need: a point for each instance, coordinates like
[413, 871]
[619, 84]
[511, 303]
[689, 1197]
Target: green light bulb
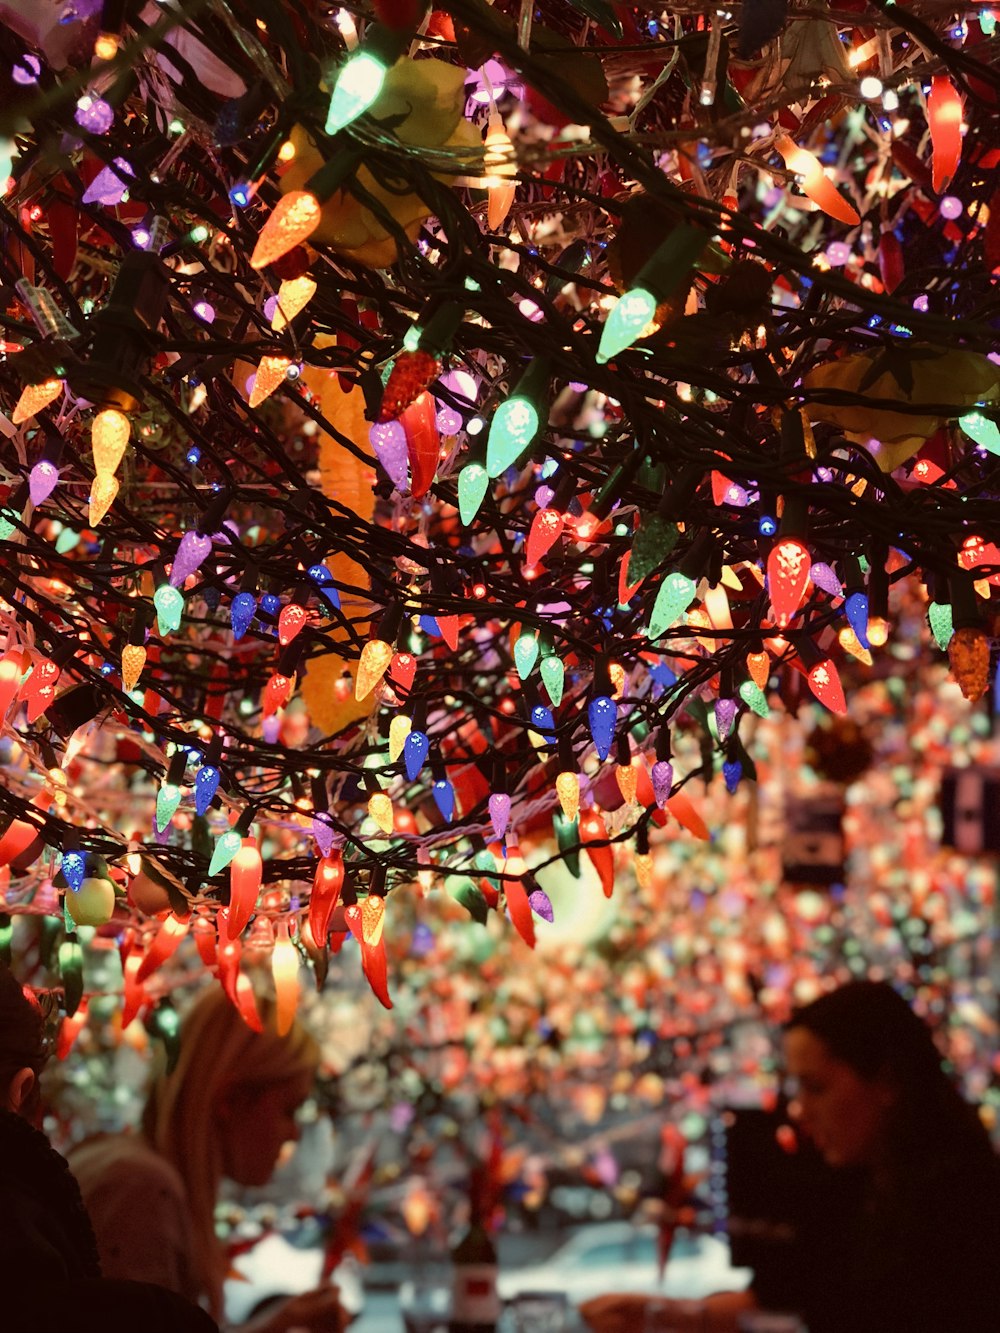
[357, 87]
[553, 675]
[473, 483]
[982, 429]
[754, 698]
[7, 519]
[66, 541]
[169, 603]
[629, 316]
[525, 655]
[514, 426]
[672, 600]
[941, 620]
[168, 798]
[225, 849]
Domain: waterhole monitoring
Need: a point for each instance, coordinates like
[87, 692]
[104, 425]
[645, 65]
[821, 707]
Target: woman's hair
[22, 1038]
[218, 1054]
[870, 1027]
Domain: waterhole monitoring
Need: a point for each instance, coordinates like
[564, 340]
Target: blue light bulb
[323, 579]
[206, 784]
[856, 610]
[271, 603]
[74, 868]
[415, 749]
[543, 721]
[602, 716]
[767, 526]
[444, 796]
[242, 612]
[239, 196]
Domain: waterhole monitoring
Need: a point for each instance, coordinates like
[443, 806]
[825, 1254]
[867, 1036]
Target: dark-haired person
[48, 1256]
[917, 1250]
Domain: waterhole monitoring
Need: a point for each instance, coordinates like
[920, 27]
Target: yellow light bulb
[109, 438]
[878, 632]
[294, 219]
[399, 729]
[380, 809]
[34, 398]
[568, 791]
[375, 658]
[294, 295]
[133, 660]
[106, 46]
[102, 497]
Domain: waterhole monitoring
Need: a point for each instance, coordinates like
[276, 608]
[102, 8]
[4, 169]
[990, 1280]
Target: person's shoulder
[123, 1160]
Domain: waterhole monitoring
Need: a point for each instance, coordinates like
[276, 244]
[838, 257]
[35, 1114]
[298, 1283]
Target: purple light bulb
[824, 578]
[94, 114]
[388, 439]
[322, 831]
[663, 780]
[42, 481]
[725, 716]
[193, 551]
[109, 185]
[499, 813]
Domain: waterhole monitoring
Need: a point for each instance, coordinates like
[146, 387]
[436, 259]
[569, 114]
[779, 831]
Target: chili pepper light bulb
[814, 181]
[285, 971]
[245, 874]
[327, 883]
[944, 114]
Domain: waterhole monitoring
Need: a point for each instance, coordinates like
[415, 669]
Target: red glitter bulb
[410, 376]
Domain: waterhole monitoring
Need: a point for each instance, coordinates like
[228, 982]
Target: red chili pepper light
[163, 945]
[327, 883]
[245, 873]
[944, 112]
[593, 833]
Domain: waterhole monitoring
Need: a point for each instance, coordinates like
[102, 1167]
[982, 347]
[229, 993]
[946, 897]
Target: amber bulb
[568, 791]
[109, 439]
[294, 219]
[285, 970]
[375, 658]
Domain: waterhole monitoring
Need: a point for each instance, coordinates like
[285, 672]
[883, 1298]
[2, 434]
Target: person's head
[22, 1046]
[228, 1106]
[871, 1089]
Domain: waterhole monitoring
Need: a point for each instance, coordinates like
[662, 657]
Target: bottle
[475, 1305]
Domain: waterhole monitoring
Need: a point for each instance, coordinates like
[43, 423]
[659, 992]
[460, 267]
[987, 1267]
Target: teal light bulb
[983, 430]
[525, 655]
[553, 675]
[672, 600]
[514, 426]
[626, 321]
[754, 698]
[359, 83]
[225, 849]
[473, 483]
[168, 798]
[169, 603]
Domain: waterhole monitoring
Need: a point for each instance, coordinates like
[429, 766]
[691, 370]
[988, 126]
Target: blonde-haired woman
[225, 1109]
